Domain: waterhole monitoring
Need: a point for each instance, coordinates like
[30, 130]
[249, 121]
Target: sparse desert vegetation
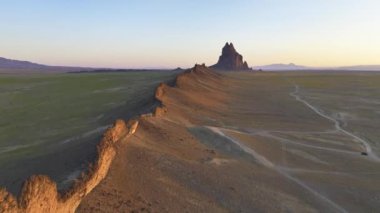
[50, 123]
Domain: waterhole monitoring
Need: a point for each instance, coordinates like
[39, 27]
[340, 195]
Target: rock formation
[40, 194]
[230, 59]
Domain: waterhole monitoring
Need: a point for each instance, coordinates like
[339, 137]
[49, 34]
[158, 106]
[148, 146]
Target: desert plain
[252, 142]
[232, 142]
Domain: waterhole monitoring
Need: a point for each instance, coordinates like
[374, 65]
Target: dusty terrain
[240, 142]
[234, 142]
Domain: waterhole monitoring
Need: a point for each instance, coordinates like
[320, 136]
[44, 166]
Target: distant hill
[17, 66]
[281, 67]
[361, 68]
[294, 67]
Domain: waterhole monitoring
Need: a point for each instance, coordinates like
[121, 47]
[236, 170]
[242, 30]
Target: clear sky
[172, 33]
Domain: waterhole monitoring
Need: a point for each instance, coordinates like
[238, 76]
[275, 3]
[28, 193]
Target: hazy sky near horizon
[172, 33]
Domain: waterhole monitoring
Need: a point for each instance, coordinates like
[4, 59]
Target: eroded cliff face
[40, 194]
[145, 172]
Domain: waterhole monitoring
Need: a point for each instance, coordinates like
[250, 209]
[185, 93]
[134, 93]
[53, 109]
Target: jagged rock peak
[230, 59]
[229, 48]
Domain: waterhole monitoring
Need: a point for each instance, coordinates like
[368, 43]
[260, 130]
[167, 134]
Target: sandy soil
[231, 143]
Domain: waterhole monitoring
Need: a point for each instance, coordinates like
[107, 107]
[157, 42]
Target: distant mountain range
[361, 68]
[294, 67]
[24, 67]
[17, 66]
[281, 67]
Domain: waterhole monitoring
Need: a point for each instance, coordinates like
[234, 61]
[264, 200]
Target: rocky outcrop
[39, 193]
[160, 92]
[201, 71]
[230, 59]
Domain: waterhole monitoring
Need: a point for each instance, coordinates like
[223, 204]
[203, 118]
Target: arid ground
[252, 142]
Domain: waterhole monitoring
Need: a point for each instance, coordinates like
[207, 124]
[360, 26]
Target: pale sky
[168, 33]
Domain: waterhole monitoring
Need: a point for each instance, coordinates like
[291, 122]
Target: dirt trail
[338, 127]
[264, 161]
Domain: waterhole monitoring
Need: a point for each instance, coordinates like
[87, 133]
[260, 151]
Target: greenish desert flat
[50, 123]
